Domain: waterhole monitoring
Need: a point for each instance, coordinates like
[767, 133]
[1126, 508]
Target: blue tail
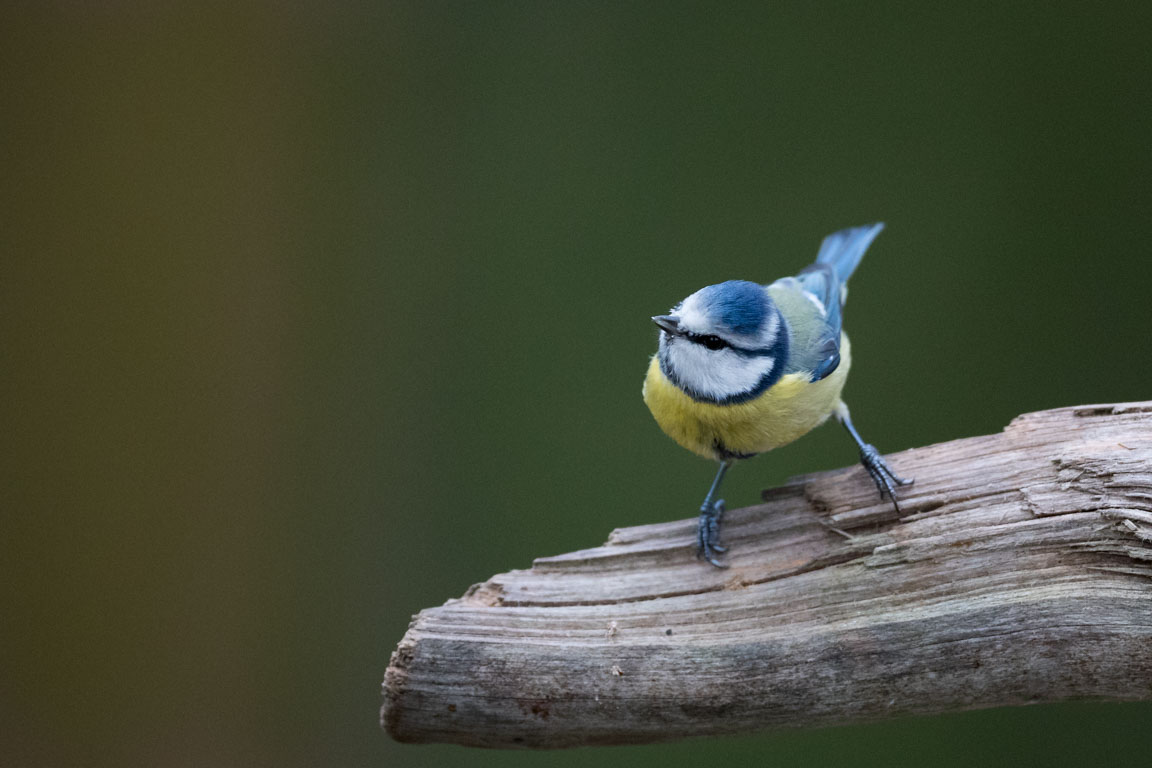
[843, 250]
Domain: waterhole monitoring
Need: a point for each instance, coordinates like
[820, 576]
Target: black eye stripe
[707, 340]
[713, 342]
[716, 343]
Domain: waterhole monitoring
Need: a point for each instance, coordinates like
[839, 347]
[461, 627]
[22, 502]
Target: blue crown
[740, 306]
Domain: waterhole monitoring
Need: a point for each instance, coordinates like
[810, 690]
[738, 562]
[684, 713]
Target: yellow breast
[790, 408]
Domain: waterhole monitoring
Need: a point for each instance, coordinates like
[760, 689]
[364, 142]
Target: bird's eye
[713, 342]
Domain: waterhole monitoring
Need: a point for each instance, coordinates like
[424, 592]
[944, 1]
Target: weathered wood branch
[1021, 571]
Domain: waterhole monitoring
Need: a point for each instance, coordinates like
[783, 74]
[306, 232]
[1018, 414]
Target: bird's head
[725, 343]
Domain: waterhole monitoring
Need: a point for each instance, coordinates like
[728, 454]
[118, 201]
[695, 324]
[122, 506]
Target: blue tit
[743, 368]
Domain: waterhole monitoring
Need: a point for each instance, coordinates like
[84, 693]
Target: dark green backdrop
[313, 317]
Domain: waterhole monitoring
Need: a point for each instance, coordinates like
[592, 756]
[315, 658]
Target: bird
[743, 368]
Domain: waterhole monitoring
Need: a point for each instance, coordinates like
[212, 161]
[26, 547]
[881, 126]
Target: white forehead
[693, 316]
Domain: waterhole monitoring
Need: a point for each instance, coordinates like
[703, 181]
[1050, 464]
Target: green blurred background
[314, 316]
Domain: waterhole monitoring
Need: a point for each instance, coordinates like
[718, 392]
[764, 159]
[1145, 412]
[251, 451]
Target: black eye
[713, 342]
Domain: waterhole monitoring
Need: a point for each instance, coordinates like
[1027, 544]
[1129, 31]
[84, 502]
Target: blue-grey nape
[741, 306]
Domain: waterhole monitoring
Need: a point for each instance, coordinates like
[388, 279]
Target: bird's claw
[882, 475]
[708, 533]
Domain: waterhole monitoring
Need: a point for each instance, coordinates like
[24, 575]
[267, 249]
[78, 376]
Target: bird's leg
[878, 469]
[708, 529]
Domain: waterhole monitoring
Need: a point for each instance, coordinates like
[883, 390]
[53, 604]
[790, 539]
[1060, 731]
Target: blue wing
[826, 281]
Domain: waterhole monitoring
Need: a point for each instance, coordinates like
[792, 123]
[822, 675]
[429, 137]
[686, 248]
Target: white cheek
[716, 373]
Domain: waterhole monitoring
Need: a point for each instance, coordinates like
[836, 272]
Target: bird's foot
[708, 532]
[882, 475]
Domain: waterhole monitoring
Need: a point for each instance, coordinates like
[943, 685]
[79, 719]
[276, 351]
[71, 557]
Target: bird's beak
[668, 323]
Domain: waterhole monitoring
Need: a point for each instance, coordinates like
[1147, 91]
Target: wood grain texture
[1021, 571]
